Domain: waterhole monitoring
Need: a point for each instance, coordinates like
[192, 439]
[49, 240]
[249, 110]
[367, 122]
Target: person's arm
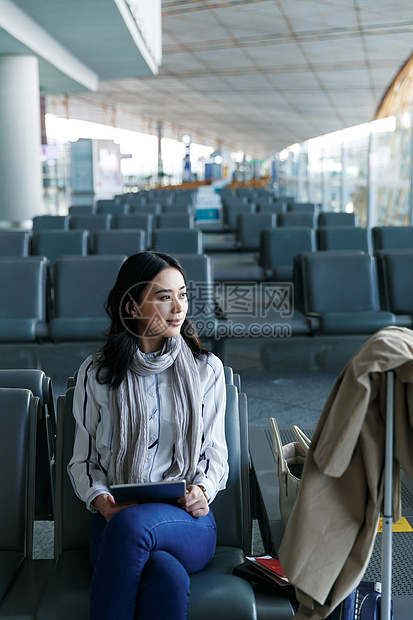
[87, 467]
[212, 470]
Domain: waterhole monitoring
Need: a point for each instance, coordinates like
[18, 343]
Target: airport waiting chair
[15, 243]
[215, 591]
[91, 222]
[175, 220]
[301, 207]
[153, 208]
[392, 237]
[118, 242]
[23, 302]
[287, 201]
[249, 227]
[395, 268]
[81, 286]
[57, 243]
[345, 238]
[271, 207]
[177, 240]
[81, 210]
[279, 246]
[40, 386]
[177, 208]
[110, 206]
[340, 293]
[18, 419]
[143, 221]
[232, 211]
[289, 219]
[335, 218]
[50, 222]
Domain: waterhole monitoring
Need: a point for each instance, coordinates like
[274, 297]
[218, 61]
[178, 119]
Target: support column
[160, 160]
[20, 167]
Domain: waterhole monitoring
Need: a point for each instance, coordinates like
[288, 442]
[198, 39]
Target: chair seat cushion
[67, 594]
[355, 322]
[78, 328]
[18, 330]
[9, 564]
[217, 593]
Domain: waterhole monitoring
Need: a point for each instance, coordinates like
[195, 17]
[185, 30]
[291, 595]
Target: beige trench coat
[331, 531]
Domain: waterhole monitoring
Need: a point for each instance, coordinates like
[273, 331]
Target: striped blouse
[91, 468]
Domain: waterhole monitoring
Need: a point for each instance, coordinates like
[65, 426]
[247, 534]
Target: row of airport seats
[279, 246]
[46, 589]
[162, 197]
[146, 221]
[70, 308]
[334, 292]
[248, 226]
[309, 220]
[56, 243]
[109, 207]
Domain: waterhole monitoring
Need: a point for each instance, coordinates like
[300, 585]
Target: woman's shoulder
[89, 366]
[210, 364]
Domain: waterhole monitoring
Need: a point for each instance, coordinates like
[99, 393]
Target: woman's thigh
[158, 526]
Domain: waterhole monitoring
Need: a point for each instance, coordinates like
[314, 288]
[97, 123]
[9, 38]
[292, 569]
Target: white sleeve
[212, 470]
[85, 469]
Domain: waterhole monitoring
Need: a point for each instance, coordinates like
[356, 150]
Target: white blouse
[91, 467]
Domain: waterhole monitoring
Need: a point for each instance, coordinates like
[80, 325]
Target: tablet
[166, 491]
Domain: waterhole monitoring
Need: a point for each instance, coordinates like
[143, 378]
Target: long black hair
[135, 274]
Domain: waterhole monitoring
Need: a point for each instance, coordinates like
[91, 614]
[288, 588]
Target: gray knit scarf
[131, 417]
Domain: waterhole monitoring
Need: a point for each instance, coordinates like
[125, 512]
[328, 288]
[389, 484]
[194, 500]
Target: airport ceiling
[255, 75]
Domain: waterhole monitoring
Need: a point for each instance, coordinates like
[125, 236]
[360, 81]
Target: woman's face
[162, 310]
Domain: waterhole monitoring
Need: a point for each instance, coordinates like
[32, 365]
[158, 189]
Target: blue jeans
[142, 558]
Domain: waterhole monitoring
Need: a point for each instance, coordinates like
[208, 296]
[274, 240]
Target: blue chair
[19, 411]
[81, 285]
[143, 221]
[249, 227]
[297, 219]
[50, 222]
[232, 211]
[279, 246]
[177, 240]
[118, 242]
[396, 273]
[215, 591]
[57, 243]
[23, 308]
[15, 242]
[335, 218]
[81, 210]
[175, 220]
[341, 294]
[302, 207]
[91, 222]
[41, 387]
[110, 206]
[392, 237]
[345, 238]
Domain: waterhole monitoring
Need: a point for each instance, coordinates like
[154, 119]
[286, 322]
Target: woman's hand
[194, 501]
[106, 505]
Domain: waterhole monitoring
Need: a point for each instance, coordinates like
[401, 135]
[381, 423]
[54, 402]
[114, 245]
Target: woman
[149, 407]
